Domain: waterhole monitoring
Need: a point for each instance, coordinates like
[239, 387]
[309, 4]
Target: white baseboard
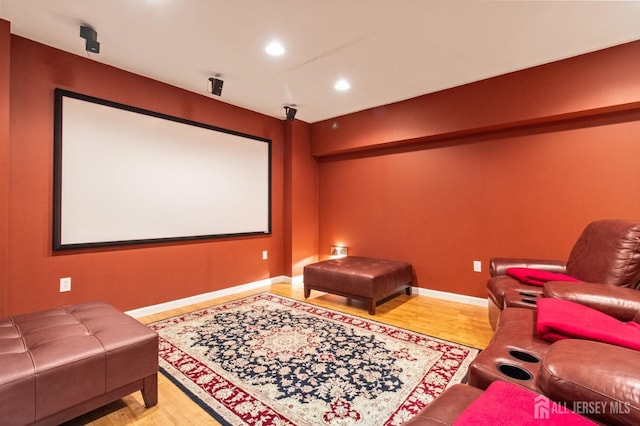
[179, 303]
[295, 281]
[454, 297]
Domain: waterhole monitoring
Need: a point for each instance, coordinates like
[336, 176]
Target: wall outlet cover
[65, 284]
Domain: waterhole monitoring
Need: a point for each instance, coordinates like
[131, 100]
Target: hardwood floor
[456, 322]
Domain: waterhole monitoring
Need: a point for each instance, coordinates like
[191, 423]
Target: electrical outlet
[265, 255]
[477, 266]
[65, 284]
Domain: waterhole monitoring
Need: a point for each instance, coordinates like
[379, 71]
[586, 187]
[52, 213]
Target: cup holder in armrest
[522, 293]
[524, 356]
[514, 372]
[530, 301]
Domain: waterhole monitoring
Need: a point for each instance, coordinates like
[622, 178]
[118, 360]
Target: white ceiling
[389, 50]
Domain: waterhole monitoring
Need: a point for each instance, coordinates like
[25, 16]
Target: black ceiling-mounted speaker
[91, 36]
[216, 86]
[290, 112]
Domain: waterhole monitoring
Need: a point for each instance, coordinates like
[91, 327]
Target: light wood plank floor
[456, 322]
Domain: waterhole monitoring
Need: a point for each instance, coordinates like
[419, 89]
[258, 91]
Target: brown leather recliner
[605, 389]
[598, 380]
[607, 251]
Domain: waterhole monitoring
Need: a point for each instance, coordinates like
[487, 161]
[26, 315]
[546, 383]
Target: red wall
[582, 86]
[301, 199]
[130, 277]
[512, 166]
[5, 62]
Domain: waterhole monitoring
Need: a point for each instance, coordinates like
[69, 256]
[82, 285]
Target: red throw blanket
[505, 403]
[537, 276]
[561, 319]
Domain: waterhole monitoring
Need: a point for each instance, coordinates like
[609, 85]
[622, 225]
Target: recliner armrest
[619, 302]
[499, 265]
[593, 378]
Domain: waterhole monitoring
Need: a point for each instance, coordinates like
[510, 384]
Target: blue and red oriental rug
[270, 360]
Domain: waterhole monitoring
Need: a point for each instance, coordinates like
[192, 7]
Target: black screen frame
[58, 236]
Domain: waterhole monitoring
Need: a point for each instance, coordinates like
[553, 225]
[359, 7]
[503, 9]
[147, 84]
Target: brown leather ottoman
[60, 363]
[357, 277]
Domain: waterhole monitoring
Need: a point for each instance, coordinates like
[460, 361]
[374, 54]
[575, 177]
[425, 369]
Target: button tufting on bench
[59, 361]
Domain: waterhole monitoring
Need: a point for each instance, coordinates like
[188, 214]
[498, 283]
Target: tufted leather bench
[60, 363]
[357, 277]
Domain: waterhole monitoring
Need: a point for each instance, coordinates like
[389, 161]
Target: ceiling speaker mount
[91, 36]
[290, 112]
[215, 85]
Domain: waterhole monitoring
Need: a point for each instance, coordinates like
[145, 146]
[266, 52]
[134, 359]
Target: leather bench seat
[63, 362]
[358, 277]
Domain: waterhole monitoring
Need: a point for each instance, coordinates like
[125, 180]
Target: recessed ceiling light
[342, 85]
[274, 49]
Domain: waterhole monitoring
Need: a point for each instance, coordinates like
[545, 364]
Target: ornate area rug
[270, 360]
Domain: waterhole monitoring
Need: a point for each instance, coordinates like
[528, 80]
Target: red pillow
[538, 276]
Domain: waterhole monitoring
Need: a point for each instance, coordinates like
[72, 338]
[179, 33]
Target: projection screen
[124, 175]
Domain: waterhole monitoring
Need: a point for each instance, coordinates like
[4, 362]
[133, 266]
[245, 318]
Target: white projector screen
[124, 175]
